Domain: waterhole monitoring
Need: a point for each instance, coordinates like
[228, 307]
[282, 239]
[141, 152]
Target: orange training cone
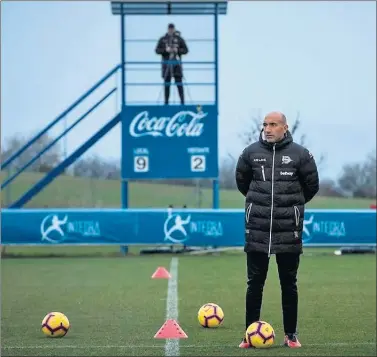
[161, 273]
[170, 329]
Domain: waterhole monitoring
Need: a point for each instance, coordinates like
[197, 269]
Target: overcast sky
[318, 58]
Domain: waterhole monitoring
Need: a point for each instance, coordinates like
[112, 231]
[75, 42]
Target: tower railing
[7, 163]
[61, 116]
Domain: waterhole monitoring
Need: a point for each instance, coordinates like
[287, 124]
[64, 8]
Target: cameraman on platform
[171, 47]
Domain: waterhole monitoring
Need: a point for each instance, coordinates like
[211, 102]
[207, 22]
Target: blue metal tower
[169, 141]
[158, 141]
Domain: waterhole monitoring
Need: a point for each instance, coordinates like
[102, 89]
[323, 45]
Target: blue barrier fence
[192, 227]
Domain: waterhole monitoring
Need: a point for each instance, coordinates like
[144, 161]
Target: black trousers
[257, 267]
[175, 71]
[178, 79]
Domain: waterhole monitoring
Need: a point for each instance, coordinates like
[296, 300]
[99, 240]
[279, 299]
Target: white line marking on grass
[330, 344]
[172, 345]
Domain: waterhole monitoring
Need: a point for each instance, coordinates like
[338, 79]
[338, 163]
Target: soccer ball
[210, 315]
[55, 324]
[260, 334]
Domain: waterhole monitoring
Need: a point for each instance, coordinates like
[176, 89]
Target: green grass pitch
[115, 308]
[68, 191]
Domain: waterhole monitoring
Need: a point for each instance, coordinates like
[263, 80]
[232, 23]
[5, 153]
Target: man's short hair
[171, 26]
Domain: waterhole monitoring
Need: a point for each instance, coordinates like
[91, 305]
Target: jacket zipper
[248, 212]
[272, 199]
[264, 177]
[297, 215]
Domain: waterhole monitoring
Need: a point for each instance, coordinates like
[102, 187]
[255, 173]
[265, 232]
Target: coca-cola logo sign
[184, 123]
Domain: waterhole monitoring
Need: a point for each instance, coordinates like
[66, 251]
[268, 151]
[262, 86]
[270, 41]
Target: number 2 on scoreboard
[198, 163]
[141, 163]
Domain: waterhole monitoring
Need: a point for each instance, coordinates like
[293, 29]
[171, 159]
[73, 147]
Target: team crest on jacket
[286, 159]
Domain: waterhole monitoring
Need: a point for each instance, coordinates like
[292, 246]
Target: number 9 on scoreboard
[198, 163]
[141, 163]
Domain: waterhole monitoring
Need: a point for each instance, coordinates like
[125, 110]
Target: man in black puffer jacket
[277, 177]
[171, 47]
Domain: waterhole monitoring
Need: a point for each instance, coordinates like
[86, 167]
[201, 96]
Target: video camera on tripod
[172, 47]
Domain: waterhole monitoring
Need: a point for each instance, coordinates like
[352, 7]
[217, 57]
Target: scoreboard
[162, 142]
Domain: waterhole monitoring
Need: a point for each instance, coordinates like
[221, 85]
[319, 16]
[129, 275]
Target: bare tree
[96, 167]
[359, 179]
[329, 188]
[227, 173]
[44, 163]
